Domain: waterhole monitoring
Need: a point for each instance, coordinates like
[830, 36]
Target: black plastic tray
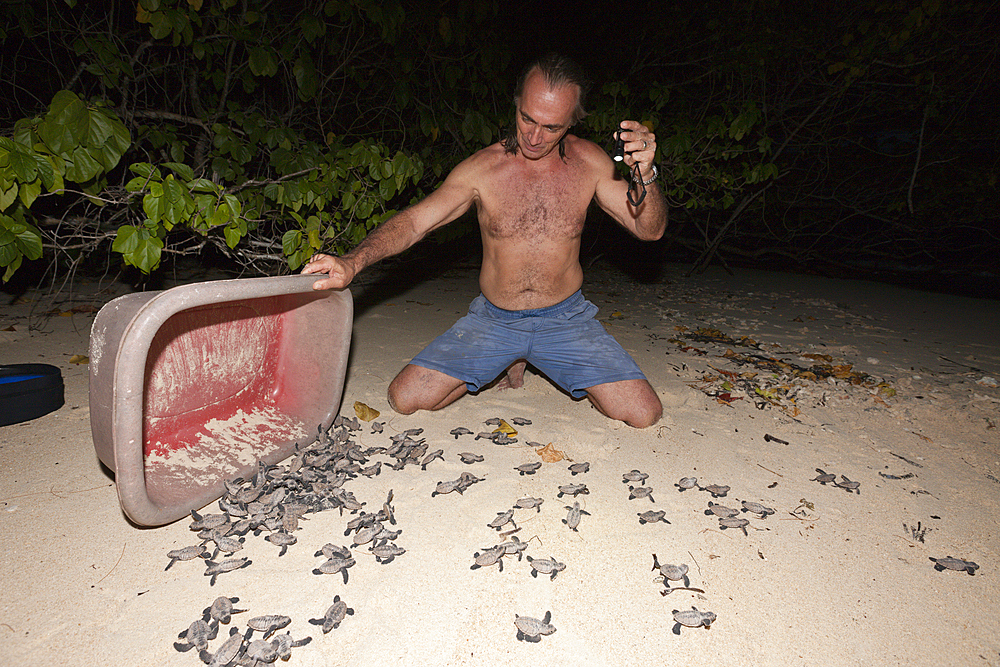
[28, 391]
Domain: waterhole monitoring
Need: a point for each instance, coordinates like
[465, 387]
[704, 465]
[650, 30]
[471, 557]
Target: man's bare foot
[514, 378]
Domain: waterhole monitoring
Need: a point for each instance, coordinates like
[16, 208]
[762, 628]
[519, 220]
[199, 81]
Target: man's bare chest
[544, 207]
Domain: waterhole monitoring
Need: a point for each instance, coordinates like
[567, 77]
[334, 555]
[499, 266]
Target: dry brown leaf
[550, 454]
[79, 359]
[365, 413]
[506, 429]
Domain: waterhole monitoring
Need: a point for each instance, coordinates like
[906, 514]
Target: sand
[832, 578]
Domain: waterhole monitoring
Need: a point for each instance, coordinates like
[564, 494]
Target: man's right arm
[401, 231]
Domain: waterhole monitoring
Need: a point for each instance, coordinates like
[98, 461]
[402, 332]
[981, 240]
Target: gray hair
[558, 70]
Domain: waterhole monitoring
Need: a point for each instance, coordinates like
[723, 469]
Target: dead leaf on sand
[550, 454]
[365, 413]
[506, 429]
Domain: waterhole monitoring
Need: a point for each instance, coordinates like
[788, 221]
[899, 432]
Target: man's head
[548, 101]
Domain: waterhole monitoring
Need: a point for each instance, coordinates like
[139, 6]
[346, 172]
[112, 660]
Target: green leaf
[138, 247]
[8, 196]
[46, 171]
[144, 169]
[147, 256]
[23, 165]
[30, 191]
[291, 240]
[126, 240]
[184, 171]
[66, 124]
[99, 129]
[262, 62]
[12, 266]
[83, 166]
[305, 77]
[232, 234]
[29, 242]
[153, 203]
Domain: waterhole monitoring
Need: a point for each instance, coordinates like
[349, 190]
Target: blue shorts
[563, 341]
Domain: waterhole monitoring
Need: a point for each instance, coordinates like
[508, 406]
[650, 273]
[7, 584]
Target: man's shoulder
[482, 160]
[585, 149]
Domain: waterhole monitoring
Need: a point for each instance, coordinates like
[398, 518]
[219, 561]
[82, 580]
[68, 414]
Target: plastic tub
[195, 385]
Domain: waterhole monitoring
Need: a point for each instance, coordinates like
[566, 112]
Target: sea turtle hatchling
[502, 519]
[520, 421]
[692, 618]
[686, 483]
[469, 457]
[334, 565]
[651, 516]
[672, 572]
[436, 454]
[641, 492]
[187, 553]
[208, 521]
[385, 551]
[734, 522]
[717, 490]
[226, 654]
[529, 503]
[447, 487]
[756, 508]
[222, 609]
[214, 569]
[513, 547]
[261, 652]
[461, 430]
[334, 615]
[548, 566]
[331, 550]
[952, 563]
[283, 540]
[579, 468]
[268, 624]
[634, 476]
[720, 510]
[848, 485]
[531, 629]
[197, 635]
[528, 468]
[824, 477]
[283, 644]
[572, 519]
[572, 490]
[488, 557]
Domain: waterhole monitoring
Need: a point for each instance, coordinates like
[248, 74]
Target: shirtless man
[531, 194]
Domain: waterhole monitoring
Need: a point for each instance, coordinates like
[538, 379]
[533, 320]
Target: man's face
[543, 115]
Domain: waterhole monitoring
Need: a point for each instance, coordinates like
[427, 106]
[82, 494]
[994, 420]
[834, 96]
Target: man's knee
[647, 414]
[396, 402]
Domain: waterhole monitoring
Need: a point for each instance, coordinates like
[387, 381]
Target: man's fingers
[329, 283]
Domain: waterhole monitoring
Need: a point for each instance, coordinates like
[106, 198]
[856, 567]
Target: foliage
[250, 127]
[270, 131]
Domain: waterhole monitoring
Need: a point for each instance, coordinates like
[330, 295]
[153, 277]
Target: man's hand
[640, 146]
[340, 269]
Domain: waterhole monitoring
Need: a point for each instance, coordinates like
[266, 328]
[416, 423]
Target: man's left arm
[648, 220]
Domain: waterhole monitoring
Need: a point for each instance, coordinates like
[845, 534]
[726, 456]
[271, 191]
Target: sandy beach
[765, 377]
